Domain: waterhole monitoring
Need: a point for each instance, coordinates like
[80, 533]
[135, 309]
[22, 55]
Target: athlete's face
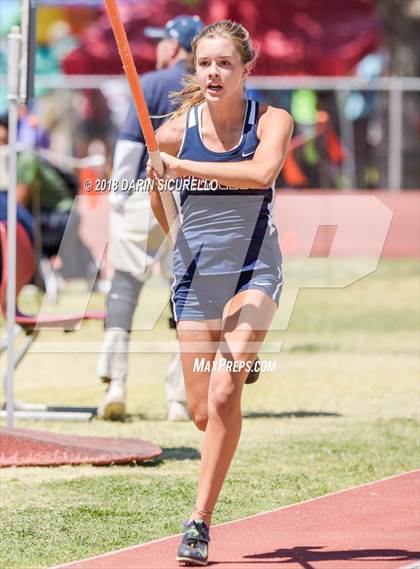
[220, 71]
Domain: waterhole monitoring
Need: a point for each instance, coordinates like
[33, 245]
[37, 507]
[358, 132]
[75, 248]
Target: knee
[122, 300]
[200, 418]
[201, 423]
[223, 399]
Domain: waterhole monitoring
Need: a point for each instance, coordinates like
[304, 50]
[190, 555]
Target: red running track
[374, 526]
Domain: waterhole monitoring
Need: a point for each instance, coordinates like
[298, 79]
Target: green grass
[342, 409]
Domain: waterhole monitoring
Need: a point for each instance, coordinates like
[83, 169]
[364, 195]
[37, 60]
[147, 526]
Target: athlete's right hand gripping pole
[168, 202]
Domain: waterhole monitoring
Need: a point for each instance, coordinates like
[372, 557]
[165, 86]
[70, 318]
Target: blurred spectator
[49, 194]
[52, 106]
[304, 112]
[361, 109]
[316, 151]
[30, 132]
[22, 214]
[61, 39]
[93, 122]
[50, 54]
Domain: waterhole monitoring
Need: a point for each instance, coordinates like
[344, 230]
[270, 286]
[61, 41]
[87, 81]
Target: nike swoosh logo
[245, 154]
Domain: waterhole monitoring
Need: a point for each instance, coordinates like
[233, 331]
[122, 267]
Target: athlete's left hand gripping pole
[168, 202]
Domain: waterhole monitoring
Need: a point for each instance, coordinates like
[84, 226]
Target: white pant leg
[174, 381]
[135, 236]
[113, 359]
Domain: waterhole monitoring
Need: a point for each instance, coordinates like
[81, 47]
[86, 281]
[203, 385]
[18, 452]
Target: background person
[135, 236]
[44, 191]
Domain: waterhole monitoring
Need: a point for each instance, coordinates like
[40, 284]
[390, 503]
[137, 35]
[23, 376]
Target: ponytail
[189, 96]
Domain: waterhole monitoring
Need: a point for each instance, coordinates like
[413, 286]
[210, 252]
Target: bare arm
[169, 137]
[275, 130]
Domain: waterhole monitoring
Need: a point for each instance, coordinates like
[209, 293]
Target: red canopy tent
[296, 37]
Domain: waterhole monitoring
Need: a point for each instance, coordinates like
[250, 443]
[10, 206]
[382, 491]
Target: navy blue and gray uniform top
[156, 85]
[225, 232]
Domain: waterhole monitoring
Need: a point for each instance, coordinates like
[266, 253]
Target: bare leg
[245, 322]
[198, 340]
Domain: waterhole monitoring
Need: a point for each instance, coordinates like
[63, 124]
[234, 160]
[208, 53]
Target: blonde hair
[190, 95]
